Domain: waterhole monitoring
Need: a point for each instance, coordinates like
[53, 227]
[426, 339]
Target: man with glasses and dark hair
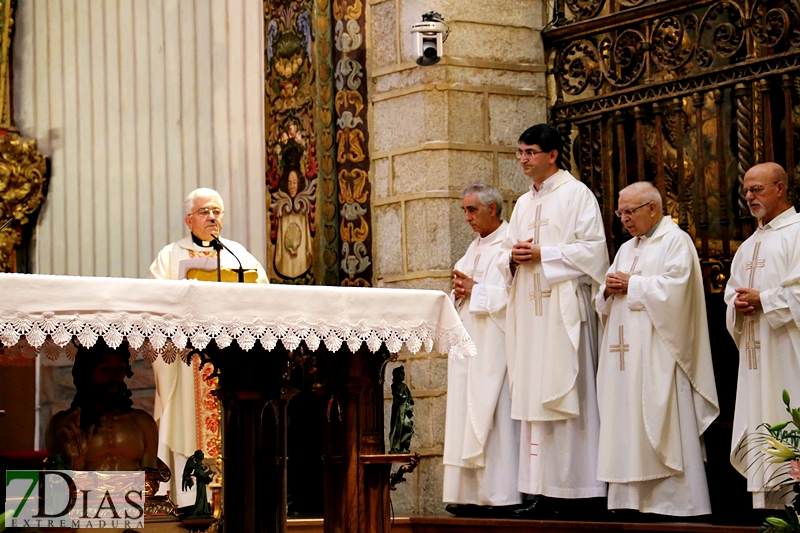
[175, 408]
[763, 297]
[556, 260]
[655, 379]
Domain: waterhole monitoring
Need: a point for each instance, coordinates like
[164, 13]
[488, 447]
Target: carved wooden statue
[402, 421]
[202, 474]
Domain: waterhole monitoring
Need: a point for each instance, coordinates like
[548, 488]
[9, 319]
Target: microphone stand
[6, 223]
[216, 243]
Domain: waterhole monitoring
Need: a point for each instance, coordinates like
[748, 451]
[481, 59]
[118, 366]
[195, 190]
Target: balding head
[765, 188]
[639, 207]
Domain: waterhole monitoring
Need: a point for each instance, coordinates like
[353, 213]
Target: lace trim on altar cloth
[171, 338]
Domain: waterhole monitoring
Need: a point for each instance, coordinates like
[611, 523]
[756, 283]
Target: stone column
[433, 130]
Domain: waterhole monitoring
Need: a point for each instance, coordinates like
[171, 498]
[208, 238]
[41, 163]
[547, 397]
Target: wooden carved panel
[686, 94]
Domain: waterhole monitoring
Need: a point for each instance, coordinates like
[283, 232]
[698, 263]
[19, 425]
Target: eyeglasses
[205, 212]
[528, 153]
[629, 212]
[758, 189]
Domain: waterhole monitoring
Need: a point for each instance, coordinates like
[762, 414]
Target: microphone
[6, 223]
[219, 246]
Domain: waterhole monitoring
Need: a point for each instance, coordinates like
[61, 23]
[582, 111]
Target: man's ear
[493, 209]
[186, 221]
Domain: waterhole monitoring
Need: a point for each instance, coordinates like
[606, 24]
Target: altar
[265, 343]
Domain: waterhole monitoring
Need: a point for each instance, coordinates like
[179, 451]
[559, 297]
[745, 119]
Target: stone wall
[433, 130]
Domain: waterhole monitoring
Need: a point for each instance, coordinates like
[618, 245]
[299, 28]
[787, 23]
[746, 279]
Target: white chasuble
[655, 379]
[768, 341]
[481, 440]
[551, 337]
[167, 264]
[180, 393]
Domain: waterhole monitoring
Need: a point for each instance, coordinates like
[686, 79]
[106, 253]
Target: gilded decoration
[352, 142]
[688, 95]
[23, 170]
[6, 32]
[23, 184]
[208, 425]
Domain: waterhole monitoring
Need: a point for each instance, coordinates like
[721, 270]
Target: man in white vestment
[556, 260]
[481, 440]
[174, 408]
[655, 379]
[763, 298]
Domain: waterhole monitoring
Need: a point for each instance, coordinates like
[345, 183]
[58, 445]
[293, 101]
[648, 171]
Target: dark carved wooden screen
[688, 94]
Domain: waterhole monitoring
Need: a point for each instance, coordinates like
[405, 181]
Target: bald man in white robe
[763, 317]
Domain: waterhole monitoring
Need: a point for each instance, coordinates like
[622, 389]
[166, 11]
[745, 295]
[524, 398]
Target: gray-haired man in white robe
[481, 440]
[175, 409]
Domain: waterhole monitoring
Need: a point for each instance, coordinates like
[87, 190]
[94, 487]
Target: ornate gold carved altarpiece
[686, 94]
[23, 170]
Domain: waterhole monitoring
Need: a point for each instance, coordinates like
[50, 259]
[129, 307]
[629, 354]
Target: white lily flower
[779, 452]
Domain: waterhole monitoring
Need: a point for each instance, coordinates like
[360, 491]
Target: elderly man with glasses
[763, 317]
[204, 217]
[555, 260]
[175, 409]
[655, 380]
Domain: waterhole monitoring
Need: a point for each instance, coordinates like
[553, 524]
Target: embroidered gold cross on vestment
[538, 223]
[538, 294]
[754, 264]
[752, 346]
[633, 272]
[620, 348]
[474, 272]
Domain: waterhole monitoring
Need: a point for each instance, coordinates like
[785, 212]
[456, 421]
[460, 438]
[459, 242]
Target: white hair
[202, 192]
[645, 192]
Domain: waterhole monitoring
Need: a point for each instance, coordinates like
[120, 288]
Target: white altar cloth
[41, 314]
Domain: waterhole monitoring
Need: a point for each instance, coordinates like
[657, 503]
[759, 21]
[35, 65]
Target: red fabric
[22, 460]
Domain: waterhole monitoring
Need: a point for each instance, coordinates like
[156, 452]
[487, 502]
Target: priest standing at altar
[763, 317]
[555, 260]
[481, 440]
[655, 381]
[175, 407]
